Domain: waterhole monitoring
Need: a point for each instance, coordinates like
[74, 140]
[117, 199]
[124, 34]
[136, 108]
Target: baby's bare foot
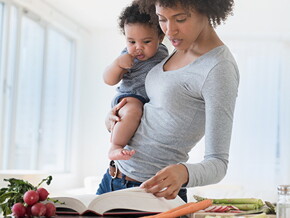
[121, 154]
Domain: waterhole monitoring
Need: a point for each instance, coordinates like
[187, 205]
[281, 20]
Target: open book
[126, 201]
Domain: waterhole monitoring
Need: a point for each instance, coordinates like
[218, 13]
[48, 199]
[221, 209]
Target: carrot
[177, 208]
[185, 209]
[171, 210]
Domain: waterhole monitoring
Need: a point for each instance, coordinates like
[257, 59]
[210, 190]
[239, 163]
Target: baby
[143, 51]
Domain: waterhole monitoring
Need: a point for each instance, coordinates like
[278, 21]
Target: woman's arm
[219, 93]
[114, 72]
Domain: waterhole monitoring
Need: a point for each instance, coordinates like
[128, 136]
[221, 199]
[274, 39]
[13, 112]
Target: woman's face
[184, 28]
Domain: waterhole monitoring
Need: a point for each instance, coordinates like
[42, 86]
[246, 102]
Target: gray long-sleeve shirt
[186, 104]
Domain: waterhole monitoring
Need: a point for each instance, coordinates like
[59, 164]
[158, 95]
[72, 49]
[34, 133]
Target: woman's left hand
[167, 182]
[112, 116]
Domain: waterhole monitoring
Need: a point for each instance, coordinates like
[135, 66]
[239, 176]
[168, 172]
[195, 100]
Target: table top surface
[93, 215]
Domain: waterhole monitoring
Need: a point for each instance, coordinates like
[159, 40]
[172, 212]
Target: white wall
[259, 16]
[96, 98]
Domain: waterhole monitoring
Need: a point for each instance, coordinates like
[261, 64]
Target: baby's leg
[123, 131]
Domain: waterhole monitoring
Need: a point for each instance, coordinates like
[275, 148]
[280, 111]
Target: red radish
[38, 209]
[28, 211]
[31, 197]
[18, 210]
[222, 208]
[43, 193]
[50, 209]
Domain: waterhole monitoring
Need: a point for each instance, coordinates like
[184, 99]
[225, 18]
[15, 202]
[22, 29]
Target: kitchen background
[53, 100]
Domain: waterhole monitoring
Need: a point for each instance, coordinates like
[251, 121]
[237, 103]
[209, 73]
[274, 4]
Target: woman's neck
[207, 40]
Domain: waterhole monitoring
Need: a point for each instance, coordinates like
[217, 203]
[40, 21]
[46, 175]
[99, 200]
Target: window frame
[2, 66]
[68, 33]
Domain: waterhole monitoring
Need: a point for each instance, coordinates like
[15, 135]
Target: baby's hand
[126, 61]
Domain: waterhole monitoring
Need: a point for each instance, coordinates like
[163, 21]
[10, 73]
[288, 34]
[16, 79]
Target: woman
[192, 94]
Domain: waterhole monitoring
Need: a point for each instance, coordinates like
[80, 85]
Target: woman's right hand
[112, 116]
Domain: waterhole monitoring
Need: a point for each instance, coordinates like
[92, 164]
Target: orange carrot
[177, 208]
[171, 210]
[185, 209]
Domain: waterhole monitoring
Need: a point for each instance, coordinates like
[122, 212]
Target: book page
[133, 199]
[78, 203]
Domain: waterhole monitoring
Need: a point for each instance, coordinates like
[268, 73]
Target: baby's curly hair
[132, 15]
[217, 11]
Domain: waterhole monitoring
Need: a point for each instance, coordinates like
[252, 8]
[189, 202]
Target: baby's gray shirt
[133, 82]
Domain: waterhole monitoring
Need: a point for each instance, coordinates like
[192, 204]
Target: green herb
[15, 191]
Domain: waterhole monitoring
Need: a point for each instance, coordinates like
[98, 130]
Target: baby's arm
[114, 72]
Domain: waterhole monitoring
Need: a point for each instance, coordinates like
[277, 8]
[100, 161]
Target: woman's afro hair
[217, 11]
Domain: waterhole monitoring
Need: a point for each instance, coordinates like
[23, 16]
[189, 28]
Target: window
[8, 82]
[1, 23]
[2, 60]
[57, 92]
[36, 100]
[24, 134]
[1, 45]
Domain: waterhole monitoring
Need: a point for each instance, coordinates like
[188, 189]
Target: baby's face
[142, 40]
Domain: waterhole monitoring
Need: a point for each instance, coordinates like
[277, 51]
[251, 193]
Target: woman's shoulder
[218, 56]
[219, 52]
[227, 58]
[223, 64]
[222, 53]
